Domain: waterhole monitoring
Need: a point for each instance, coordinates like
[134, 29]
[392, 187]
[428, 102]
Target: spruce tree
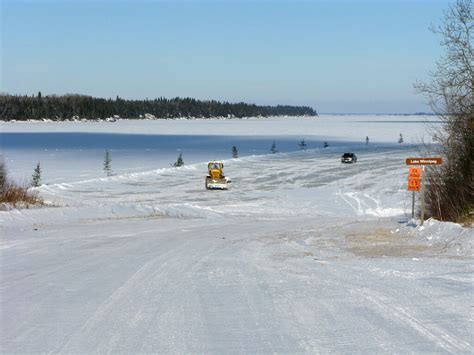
[273, 149]
[235, 152]
[108, 163]
[302, 145]
[3, 176]
[179, 161]
[36, 181]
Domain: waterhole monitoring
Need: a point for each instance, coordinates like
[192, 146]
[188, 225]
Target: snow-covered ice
[74, 151]
[302, 254]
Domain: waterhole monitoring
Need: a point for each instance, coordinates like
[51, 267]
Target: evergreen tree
[36, 181]
[3, 176]
[235, 152]
[273, 149]
[400, 140]
[179, 161]
[108, 163]
[302, 145]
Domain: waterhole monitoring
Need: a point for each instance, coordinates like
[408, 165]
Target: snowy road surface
[302, 254]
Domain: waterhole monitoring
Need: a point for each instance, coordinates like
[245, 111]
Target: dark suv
[349, 158]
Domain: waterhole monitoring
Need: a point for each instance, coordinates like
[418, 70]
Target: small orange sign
[424, 161]
[414, 185]
[414, 173]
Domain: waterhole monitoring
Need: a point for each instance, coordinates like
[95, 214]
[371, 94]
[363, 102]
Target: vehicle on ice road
[349, 158]
[215, 180]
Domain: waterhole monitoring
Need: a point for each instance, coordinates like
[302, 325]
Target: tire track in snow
[111, 319]
[278, 175]
[392, 310]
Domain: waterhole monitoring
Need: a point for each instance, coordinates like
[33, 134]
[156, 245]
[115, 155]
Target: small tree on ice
[235, 152]
[179, 161]
[274, 149]
[108, 163]
[302, 145]
[36, 178]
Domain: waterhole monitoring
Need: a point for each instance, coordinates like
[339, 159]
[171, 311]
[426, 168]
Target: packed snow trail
[303, 254]
[307, 183]
[205, 286]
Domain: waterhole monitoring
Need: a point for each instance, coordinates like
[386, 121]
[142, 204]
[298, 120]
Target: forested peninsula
[83, 107]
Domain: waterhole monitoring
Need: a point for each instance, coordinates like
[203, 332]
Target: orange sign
[414, 173]
[424, 161]
[414, 185]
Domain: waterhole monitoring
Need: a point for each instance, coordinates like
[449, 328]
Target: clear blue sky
[336, 56]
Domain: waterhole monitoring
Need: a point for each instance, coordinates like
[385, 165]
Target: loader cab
[215, 169]
[215, 165]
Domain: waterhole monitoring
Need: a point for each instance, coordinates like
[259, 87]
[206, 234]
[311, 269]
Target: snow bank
[443, 237]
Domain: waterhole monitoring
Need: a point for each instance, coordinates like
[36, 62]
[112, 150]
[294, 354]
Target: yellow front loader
[215, 180]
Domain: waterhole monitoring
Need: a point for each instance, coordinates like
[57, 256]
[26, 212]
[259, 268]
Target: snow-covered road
[207, 286]
[302, 254]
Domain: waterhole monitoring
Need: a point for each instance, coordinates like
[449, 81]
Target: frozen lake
[74, 151]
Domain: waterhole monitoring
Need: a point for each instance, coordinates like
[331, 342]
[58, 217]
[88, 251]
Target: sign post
[422, 212]
[414, 175]
[416, 181]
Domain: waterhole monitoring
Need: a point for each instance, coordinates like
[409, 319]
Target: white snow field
[302, 254]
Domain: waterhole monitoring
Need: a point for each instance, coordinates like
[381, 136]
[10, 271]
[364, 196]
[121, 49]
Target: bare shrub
[16, 195]
[19, 196]
[450, 187]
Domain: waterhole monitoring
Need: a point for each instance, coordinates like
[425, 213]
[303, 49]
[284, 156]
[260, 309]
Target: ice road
[302, 254]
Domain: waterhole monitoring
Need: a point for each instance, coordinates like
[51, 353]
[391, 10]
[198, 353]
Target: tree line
[450, 187]
[60, 108]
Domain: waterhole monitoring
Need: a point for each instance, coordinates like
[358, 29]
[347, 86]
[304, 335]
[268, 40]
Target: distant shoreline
[117, 119]
[81, 107]
[358, 116]
[378, 114]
